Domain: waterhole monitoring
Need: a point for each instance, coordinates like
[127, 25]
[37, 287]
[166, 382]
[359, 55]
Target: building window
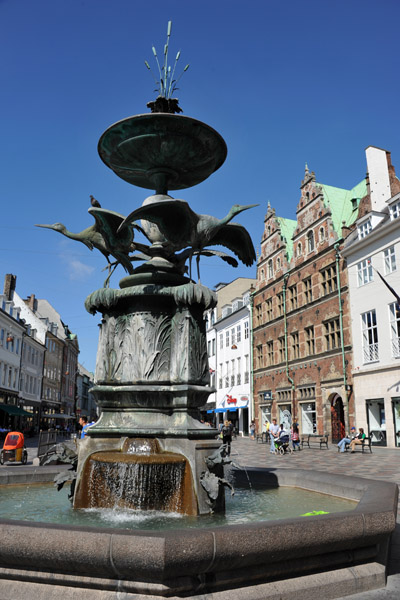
[270, 353]
[395, 210]
[310, 241]
[321, 235]
[370, 336]
[310, 340]
[293, 297]
[279, 298]
[213, 347]
[227, 374]
[238, 333]
[308, 418]
[394, 311]
[258, 314]
[232, 372]
[227, 337]
[268, 310]
[278, 263]
[390, 260]
[270, 269]
[364, 229]
[299, 249]
[246, 330]
[259, 357]
[307, 290]
[239, 372]
[295, 345]
[281, 349]
[233, 336]
[220, 376]
[332, 334]
[221, 341]
[364, 272]
[247, 368]
[329, 282]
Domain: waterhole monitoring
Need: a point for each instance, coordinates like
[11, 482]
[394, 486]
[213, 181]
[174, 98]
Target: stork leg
[198, 267]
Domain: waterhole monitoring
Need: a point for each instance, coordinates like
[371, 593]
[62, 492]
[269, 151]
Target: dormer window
[395, 210]
[364, 229]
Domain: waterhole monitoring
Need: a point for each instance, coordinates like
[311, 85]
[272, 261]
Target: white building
[229, 350]
[373, 249]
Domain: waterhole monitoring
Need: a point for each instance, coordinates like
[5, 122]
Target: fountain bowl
[326, 556]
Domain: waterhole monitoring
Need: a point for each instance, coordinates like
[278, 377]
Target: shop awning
[14, 410]
[57, 416]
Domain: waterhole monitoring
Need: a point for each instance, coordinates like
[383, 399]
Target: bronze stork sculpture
[183, 228]
[103, 236]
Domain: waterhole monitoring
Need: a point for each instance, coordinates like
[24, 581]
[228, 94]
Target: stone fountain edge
[201, 563]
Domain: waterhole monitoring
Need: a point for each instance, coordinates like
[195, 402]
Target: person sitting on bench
[346, 440]
[358, 439]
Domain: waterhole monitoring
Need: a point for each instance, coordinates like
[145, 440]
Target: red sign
[231, 400]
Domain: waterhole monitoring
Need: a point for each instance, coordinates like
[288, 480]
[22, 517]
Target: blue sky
[283, 82]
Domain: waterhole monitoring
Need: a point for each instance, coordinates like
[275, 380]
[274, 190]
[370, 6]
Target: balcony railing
[238, 379]
[246, 377]
[396, 347]
[371, 353]
[232, 380]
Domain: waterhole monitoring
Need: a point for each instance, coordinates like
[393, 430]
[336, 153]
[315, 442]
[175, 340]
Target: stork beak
[46, 226]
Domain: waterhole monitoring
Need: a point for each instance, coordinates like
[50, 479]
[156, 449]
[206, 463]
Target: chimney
[378, 162]
[10, 282]
[31, 302]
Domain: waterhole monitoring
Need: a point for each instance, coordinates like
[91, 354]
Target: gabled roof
[340, 202]
[287, 227]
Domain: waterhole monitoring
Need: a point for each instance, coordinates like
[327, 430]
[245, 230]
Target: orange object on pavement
[14, 449]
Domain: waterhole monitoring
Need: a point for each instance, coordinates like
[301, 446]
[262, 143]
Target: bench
[262, 437]
[366, 443]
[322, 440]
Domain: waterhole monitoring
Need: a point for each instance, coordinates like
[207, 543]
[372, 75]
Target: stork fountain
[148, 448]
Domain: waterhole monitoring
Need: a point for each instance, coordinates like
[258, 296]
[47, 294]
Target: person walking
[273, 434]
[227, 436]
[253, 429]
[295, 438]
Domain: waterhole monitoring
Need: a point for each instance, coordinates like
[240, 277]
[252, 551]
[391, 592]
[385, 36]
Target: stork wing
[174, 218]
[237, 239]
[108, 223]
[226, 257]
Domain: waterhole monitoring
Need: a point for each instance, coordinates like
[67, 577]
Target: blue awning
[220, 410]
[210, 411]
[232, 409]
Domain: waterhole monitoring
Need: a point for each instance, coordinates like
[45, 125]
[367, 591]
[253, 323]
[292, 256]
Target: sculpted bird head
[56, 226]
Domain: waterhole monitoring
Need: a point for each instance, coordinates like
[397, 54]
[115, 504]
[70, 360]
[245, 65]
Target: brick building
[301, 324]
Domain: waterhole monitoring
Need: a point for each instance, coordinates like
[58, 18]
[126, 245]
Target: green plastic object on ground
[315, 512]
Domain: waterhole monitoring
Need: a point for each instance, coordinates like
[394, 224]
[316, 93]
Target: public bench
[262, 437]
[311, 438]
[365, 443]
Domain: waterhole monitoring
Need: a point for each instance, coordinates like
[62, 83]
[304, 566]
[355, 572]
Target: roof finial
[306, 171]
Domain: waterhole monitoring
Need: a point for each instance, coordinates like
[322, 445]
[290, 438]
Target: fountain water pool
[42, 503]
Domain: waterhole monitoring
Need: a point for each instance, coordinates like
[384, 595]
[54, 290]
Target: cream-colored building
[372, 252]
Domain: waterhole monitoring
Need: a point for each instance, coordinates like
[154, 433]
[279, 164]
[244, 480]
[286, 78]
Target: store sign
[267, 396]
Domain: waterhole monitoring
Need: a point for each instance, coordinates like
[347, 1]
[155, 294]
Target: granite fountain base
[327, 556]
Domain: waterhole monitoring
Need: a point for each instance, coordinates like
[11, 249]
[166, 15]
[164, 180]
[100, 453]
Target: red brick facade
[302, 336]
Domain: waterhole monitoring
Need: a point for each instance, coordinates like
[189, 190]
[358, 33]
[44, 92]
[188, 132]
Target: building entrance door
[396, 420]
[337, 419]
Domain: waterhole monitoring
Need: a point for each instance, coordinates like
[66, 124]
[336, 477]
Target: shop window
[308, 418]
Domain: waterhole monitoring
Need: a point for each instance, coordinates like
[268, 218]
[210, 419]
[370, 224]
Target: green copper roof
[341, 205]
[287, 229]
